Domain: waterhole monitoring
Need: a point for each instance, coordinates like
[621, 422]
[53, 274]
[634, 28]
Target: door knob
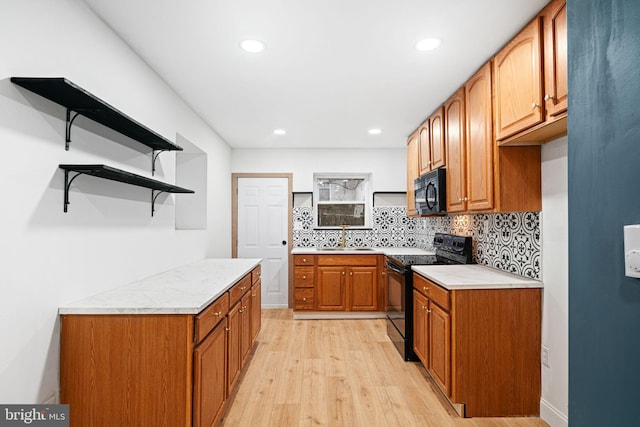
[284, 242]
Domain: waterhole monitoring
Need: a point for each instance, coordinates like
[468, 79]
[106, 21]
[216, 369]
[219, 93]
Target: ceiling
[332, 69]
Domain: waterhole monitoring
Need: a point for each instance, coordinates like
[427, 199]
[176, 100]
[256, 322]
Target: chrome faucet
[343, 237]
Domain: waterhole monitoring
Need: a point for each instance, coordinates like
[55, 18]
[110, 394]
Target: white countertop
[184, 290]
[373, 251]
[474, 276]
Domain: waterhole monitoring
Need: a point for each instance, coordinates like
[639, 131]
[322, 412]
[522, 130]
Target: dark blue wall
[604, 195]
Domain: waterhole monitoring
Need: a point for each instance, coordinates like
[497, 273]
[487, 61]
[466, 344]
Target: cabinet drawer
[439, 295]
[303, 277]
[255, 274]
[210, 316]
[304, 259]
[236, 292]
[304, 299]
[348, 260]
[434, 292]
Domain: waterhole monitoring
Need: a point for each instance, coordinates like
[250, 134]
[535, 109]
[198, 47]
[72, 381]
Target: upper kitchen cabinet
[436, 126]
[531, 89]
[483, 177]
[455, 146]
[432, 148]
[555, 59]
[424, 150]
[479, 141]
[413, 170]
[518, 83]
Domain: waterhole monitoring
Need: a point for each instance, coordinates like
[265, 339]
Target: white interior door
[263, 221]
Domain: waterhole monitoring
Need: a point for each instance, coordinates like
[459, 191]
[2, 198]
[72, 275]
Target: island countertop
[184, 290]
[474, 276]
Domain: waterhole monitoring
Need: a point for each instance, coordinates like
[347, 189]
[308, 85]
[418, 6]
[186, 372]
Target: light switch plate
[632, 250]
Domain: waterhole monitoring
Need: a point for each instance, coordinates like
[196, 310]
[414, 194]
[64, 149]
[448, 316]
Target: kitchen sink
[334, 249]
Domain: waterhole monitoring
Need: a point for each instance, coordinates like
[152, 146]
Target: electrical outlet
[545, 356]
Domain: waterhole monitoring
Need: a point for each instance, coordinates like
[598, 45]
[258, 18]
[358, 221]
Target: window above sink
[342, 199]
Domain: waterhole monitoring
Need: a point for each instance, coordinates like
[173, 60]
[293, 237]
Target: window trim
[366, 176]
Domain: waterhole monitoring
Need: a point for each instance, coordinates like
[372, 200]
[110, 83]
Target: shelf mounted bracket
[154, 157]
[154, 196]
[68, 127]
[67, 184]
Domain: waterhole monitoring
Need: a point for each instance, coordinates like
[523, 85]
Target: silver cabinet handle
[217, 313]
[547, 97]
[534, 105]
[304, 277]
[304, 299]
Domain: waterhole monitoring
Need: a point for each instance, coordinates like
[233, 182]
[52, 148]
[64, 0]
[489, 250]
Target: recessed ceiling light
[280, 132]
[252, 46]
[428, 44]
[375, 131]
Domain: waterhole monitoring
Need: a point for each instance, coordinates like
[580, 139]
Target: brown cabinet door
[245, 327]
[424, 152]
[233, 346]
[436, 138]
[555, 58]
[256, 310]
[413, 171]
[518, 83]
[331, 288]
[479, 140]
[455, 145]
[363, 288]
[209, 377]
[440, 347]
[421, 327]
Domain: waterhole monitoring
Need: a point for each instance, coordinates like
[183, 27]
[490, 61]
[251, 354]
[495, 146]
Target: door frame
[234, 219]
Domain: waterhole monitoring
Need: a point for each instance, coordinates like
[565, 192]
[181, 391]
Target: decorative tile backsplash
[509, 241]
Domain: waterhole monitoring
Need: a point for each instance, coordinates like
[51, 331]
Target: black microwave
[431, 193]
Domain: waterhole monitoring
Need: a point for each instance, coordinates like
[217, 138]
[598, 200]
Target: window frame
[366, 177]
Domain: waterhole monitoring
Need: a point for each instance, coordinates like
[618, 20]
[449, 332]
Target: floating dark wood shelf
[113, 174]
[79, 101]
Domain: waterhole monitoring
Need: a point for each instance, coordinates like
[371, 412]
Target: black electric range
[450, 249]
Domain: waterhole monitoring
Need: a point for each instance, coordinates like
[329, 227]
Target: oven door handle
[395, 268]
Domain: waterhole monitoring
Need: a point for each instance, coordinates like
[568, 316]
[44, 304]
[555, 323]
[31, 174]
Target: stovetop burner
[450, 249]
[405, 260]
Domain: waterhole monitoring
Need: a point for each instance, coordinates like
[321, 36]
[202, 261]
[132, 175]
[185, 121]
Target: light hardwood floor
[339, 373]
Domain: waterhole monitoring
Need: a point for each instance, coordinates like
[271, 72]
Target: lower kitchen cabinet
[157, 369]
[256, 308]
[331, 288]
[440, 346]
[245, 327]
[210, 377]
[347, 282]
[338, 282]
[234, 358]
[481, 346]
[304, 281]
[421, 327]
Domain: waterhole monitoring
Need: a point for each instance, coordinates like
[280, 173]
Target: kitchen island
[163, 351]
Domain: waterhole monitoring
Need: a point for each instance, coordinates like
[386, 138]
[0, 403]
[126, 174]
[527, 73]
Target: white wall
[108, 237]
[387, 166]
[555, 378]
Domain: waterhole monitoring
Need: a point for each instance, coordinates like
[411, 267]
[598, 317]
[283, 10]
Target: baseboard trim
[308, 315]
[552, 416]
